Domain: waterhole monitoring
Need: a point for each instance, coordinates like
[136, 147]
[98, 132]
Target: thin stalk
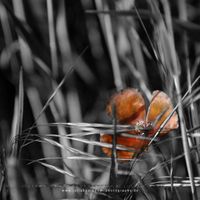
[114, 166]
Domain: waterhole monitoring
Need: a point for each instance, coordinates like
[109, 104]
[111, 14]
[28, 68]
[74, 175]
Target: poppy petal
[137, 144]
[130, 106]
[160, 108]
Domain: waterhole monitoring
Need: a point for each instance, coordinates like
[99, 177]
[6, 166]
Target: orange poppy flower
[130, 109]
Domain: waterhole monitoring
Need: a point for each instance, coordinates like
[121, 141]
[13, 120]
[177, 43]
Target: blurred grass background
[59, 63]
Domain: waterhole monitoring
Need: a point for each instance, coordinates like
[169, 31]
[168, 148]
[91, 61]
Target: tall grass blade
[52, 38]
[18, 115]
[106, 25]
